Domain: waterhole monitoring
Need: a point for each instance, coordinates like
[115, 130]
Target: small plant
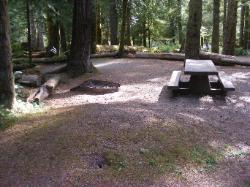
[115, 160]
[201, 156]
[6, 118]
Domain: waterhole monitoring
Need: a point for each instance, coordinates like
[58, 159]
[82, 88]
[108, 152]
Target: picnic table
[199, 82]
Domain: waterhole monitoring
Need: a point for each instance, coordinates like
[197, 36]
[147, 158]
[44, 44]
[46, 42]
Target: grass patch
[246, 184]
[200, 155]
[115, 160]
[171, 160]
[7, 119]
[22, 111]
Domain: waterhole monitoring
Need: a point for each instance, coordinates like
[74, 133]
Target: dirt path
[139, 136]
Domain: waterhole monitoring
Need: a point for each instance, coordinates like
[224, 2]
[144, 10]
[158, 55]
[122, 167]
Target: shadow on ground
[139, 136]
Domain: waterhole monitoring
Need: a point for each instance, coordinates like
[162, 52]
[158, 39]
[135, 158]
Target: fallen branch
[45, 90]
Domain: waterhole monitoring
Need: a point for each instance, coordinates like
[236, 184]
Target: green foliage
[202, 156]
[240, 52]
[169, 48]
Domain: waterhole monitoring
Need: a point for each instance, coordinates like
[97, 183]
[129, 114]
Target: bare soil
[138, 136]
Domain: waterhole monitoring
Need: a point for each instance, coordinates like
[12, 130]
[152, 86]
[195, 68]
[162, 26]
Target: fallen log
[38, 54]
[218, 59]
[45, 90]
[20, 67]
[33, 80]
[225, 59]
[161, 56]
[40, 60]
[104, 55]
[51, 69]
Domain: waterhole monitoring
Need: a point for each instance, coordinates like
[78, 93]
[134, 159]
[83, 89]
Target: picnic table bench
[199, 83]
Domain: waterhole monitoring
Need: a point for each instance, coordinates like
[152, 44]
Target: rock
[143, 151]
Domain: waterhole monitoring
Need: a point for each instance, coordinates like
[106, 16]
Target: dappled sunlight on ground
[138, 136]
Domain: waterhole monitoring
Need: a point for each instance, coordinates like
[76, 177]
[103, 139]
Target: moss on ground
[137, 154]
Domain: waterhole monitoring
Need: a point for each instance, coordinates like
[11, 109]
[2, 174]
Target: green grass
[115, 160]
[7, 119]
[246, 184]
[201, 156]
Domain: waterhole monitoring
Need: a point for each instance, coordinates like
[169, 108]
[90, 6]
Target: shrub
[240, 52]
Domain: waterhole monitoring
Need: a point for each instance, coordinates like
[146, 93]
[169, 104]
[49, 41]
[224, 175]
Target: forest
[124, 92]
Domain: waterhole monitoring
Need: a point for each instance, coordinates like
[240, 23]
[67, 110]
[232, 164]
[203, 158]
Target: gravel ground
[31, 155]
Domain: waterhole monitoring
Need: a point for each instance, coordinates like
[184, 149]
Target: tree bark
[123, 28]
[128, 23]
[29, 30]
[53, 33]
[81, 38]
[230, 34]
[7, 92]
[93, 28]
[40, 42]
[246, 27]
[33, 29]
[98, 23]
[113, 21]
[192, 47]
[179, 22]
[144, 33]
[224, 20]
[216, 27]
[45, 90]
[242, 24]
[63, 40]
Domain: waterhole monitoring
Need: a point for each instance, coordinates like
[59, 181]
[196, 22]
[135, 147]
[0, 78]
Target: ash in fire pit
[97, 87]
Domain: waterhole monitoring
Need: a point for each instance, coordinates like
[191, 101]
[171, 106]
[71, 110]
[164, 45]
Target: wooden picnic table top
[200, 67]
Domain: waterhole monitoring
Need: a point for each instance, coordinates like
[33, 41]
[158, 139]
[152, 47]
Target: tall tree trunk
[106, 31]
[123, 28]
[29, 30]
[224, 20]
[113, 21]
[144, 33]
[81, 38]
[93, 29]
[98, 23]
[192, 48]
[230, 34]
[63, 40]
[242, 24]
[40, 42]
[246, 28]
[128, 24]
[179, 21]
[53, 33]
[149, 37]
[216, 27]
[7, 92]
[33, 30]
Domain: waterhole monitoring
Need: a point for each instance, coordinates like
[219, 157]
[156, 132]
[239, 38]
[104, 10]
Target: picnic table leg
[199, 84]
